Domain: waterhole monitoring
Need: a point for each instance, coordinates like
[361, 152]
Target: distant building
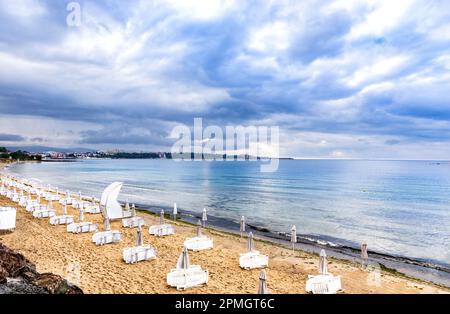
[55, 155]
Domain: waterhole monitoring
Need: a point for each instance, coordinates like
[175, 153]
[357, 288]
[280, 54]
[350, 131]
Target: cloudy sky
[342, 79]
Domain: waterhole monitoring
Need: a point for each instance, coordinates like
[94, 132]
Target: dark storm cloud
[11, 138]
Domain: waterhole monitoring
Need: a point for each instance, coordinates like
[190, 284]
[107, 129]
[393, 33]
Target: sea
[401, 209]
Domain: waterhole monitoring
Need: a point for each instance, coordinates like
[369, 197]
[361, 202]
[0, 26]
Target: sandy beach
[100, 269]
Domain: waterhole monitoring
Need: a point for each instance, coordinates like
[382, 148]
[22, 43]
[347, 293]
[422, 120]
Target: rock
[3, 275]
[54, 284]
[14, 263]
[20, 286]
[19, 276]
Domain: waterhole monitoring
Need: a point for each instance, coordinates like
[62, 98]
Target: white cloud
[383, 16]
[23, 8]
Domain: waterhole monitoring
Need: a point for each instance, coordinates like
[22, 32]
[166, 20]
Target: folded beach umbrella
[81, 216]
[364, 254]
[183, 260]
[65, 209]
[323, 264]
[199, 228]
[39, 198]
[293, 236]
[57, 191]
[161, 217]
[262, 287]
[133, 210]
[175, 211]
[68, 194]
[79, 195]
[50, 204]
[204, 217]
[127, 206]
[139, 241]
[250, 243]
[106, 224]
[242, 225]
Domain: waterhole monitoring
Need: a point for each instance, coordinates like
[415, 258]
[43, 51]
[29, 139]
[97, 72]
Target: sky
[341, 79]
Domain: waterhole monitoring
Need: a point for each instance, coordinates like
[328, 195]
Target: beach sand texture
[100, 269]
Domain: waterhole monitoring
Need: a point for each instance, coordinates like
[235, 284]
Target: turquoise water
[397, 207]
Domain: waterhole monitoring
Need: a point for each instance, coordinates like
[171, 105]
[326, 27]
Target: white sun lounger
[66, 201]
[106, 237]
[80, 205]
[36, 206]
[187, 278]
[43, 213]
[198, 243]
[161, 230]
[7, 218]
[53, 197]
[23, 201]
[323, 284]
[137, 254]
[133, 222]
[253, 259]
[61, 220]
[92, 209]
[82, 227]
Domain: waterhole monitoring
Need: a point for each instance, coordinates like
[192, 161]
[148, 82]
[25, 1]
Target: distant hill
[41, 149]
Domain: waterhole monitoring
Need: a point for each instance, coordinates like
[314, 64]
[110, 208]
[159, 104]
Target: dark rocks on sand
[19, 276]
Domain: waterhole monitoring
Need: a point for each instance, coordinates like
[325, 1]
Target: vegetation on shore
[18, 155]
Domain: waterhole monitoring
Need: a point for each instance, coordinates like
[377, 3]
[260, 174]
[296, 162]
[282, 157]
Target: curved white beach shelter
[109, 203]
[7, 218]
[140, 252]
[200, 242]
[162, 229]
[107, 236]
[252, 259]
[186, 275]
[324, 283]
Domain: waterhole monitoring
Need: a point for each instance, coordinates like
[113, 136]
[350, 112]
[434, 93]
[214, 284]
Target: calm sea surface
[397, 207]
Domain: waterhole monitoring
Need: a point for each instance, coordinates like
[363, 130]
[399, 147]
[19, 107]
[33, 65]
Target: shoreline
[425, 270]
[227, 228]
